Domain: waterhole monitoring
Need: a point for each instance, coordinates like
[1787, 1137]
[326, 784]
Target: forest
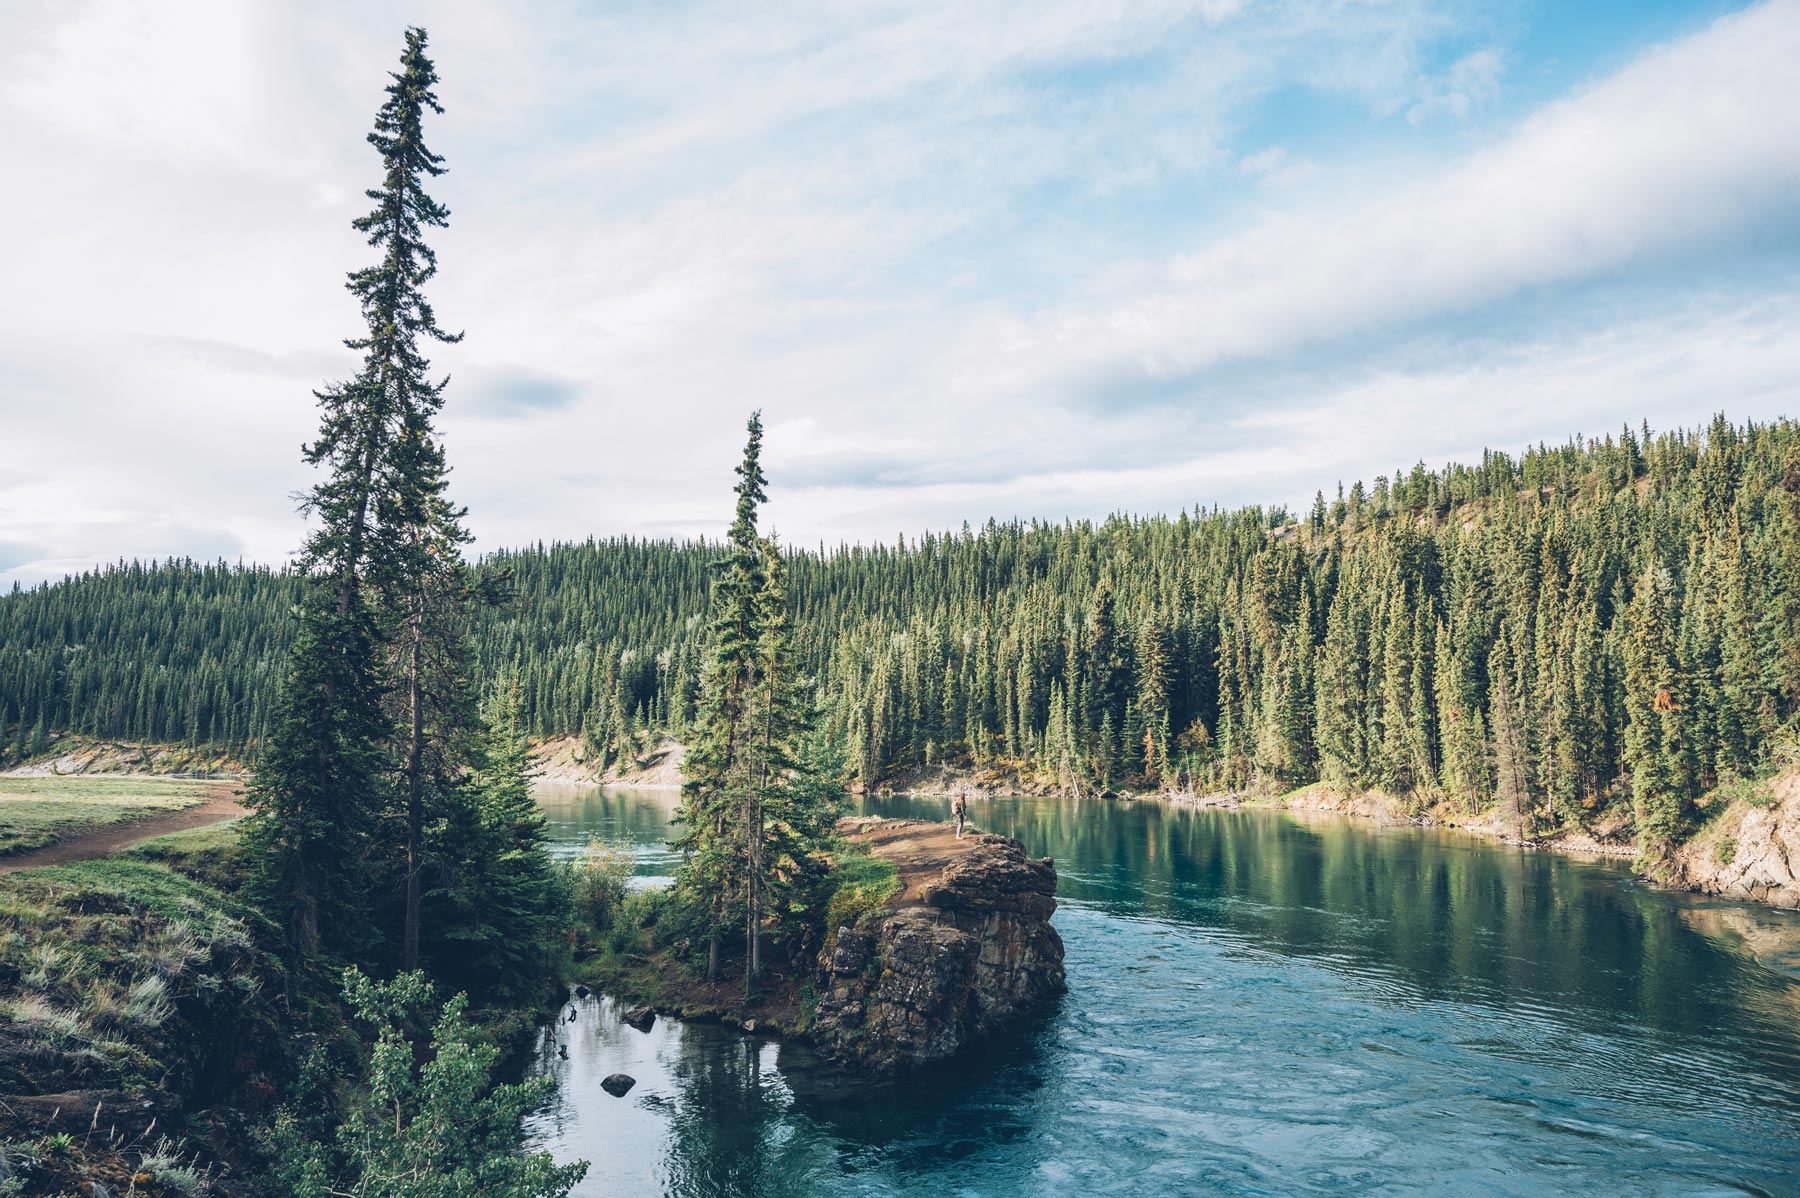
[1608, 621]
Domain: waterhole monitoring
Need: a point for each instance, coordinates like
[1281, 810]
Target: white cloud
[1688, 146]
[938, 243]
[121, 76]
[1471, 84]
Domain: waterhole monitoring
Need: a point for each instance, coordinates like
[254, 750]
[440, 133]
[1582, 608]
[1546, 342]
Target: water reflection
[1441, 914]
[1258, 1003]
[640, 817]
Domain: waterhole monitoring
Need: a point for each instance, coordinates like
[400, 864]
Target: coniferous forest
[364, 943]
[1604, 623]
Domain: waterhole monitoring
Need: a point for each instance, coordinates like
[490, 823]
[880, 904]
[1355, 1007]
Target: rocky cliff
[965, 948]
[1748, 852]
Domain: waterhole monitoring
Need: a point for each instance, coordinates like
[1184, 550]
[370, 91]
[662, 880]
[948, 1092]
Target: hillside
[1601, 629]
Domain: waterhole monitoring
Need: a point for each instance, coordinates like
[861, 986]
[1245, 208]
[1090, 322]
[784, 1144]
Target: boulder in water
[640, 1017]
[618, 1084]
[581, 992]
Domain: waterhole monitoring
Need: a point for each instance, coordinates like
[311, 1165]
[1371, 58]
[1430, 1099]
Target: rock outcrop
[963, 950]
[1750, 853]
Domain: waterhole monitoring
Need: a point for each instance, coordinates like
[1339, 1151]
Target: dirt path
[105, 841]
[918, 850]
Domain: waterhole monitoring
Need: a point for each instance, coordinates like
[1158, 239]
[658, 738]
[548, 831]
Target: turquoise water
[1258, 1004]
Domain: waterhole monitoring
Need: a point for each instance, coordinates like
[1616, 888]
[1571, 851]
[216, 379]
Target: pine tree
[1152, 700]
[1512, 754]
[419, 575]
[1653, 700]
[717, 787]
[496, 908]
[383, 569]
[790, 806]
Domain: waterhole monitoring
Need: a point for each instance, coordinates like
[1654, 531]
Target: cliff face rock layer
[965, 948]
[1749, 853]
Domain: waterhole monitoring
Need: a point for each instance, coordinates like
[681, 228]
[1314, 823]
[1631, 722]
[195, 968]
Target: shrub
[602, 877]
[147, 1002]
[430, 1122]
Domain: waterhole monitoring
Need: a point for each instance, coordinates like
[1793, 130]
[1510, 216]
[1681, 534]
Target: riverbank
[1745, 844]
[70, 754]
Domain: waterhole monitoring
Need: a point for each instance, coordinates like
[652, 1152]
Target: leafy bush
[681, 926]
[440, 1129]
[601, 880]
[1757, 792]
[643, 908]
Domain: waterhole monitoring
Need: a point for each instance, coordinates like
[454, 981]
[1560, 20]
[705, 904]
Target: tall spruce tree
[752, 808]
[421, 579]
[790, 804]
[380, 566]
[717, 784]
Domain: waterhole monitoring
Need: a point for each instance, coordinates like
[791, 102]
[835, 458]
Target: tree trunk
[753, 903]
[415, 799]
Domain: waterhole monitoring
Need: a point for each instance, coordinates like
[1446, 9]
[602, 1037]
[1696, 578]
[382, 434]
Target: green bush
[430, 1122]
[640, 909]
[601, 880]
[1756, 792]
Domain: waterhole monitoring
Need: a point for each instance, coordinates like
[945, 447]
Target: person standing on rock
[959, 808]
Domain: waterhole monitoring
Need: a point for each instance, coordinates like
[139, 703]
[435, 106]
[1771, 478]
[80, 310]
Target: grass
[37, 812]
[863, 883]
[122, 973]
[212, 854]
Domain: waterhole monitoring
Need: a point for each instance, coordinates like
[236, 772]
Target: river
[1260, 1004]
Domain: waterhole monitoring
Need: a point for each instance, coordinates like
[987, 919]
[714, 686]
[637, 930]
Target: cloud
[14, 554]
[314, 366]
[90, 540]
[1693, 144]
[513, 392]
[1035, 257]
[1471, 84]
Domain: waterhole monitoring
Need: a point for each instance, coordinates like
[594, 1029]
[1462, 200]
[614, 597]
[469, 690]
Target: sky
[1048, 259]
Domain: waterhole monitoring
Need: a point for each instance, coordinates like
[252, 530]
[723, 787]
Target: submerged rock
[618, 1084]
[640, 1017]
[959, 954]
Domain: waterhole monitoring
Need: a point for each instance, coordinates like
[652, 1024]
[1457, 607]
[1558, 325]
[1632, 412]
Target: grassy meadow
[40, 811]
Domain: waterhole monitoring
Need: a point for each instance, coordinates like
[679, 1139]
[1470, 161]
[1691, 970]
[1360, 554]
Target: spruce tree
[419, 575]
[790, 805]
[717, 785]
[384, 551]
[1654, 701]
[1512, 756]
[495, 911]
